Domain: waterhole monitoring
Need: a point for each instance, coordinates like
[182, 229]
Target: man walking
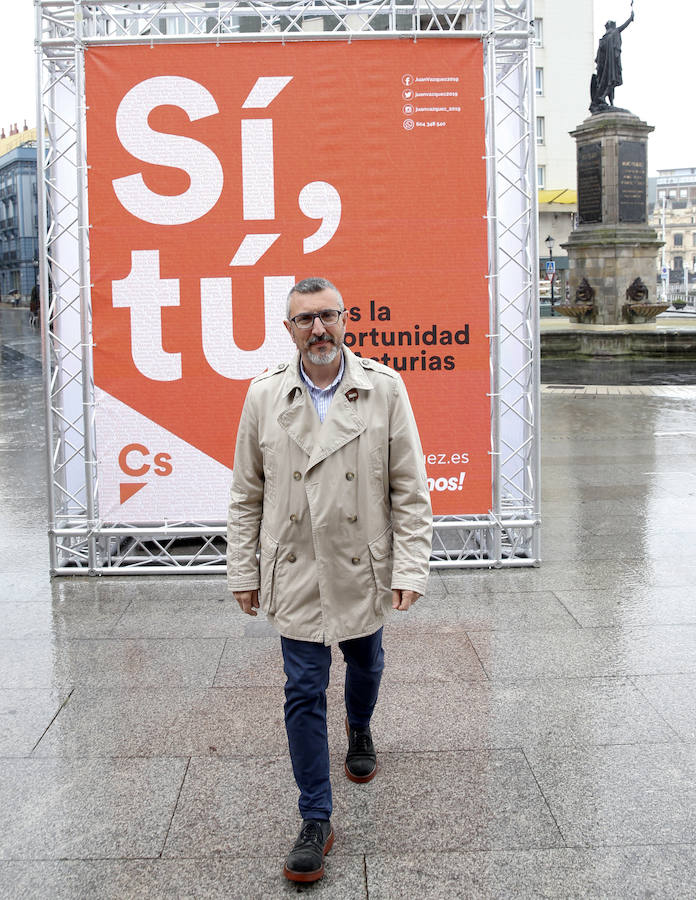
[329, 484]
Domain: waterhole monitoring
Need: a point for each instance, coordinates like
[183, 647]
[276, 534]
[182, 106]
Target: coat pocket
[268, 555]
[270, 476]
[381, 562]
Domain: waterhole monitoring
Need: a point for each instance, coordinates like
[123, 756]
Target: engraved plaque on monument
[632, 181]
[590, 182]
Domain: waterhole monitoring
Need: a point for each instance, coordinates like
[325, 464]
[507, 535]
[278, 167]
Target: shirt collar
[333, 384]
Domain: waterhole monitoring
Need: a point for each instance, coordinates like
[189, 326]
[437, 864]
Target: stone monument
[613, 246]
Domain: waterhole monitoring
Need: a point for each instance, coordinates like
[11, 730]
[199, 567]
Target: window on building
[539, 81]
[661, 195]
[683, 193]
[678, 240]
[673, 193]
[539, 32]
[693, 239]
[540, 129]
[678, 263]
[541, 177]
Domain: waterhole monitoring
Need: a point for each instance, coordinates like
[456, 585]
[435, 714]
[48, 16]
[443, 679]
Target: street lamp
[549, 243]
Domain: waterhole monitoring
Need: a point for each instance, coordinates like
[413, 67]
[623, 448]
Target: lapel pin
[352, 394]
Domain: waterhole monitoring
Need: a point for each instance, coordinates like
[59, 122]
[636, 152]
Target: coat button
[352, 518]
[297, 475]
[293, 518]
[291, 557]
[350, 476]
[355, 560]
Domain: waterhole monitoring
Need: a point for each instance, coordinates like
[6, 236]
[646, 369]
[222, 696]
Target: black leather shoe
[361, 759]
[305, 861]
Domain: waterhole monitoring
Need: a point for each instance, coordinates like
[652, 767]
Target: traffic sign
[550, 267]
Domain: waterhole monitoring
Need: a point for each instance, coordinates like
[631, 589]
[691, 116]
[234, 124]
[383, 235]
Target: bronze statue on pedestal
[608, 60]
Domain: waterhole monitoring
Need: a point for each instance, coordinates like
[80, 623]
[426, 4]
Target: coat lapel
[344, 421]
[299, 420]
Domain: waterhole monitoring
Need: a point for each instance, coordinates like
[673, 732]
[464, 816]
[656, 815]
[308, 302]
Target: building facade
[674, 219]
[564, 63]
[19, 230]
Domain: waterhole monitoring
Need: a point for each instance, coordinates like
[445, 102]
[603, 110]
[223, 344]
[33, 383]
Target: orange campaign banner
[219, 176]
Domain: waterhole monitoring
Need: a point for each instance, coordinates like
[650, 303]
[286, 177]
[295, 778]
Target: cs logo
[133, 460]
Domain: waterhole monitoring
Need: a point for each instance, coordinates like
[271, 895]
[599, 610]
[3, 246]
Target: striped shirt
[322, 397]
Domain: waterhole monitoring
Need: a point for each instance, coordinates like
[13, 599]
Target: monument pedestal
[613, 244]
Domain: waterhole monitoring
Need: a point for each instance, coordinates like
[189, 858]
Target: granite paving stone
[435, 587]
[28, 517]
[656, 569]
[489, 612]
[168, 722]
[116, 723]
[486, 799]
[631, 794]
[245, 878]
[77, 808]
[32, 663]
[567, 874]
[586, 652]
[482, 799]
[126, 662]
[559, 520]
[253, 661]
[17, 584]
[439, 654]
[595, 472]
[616, 546]
[225, 801]
[24, 717]
[144, 587]
[557, 575]
[77, 618]
[588, 512]
[12, 544]
[640, 606]
[669, 518]
[618, 493]
[28, 468]
[125, 588]
[187, 617]
[675, 697]
[540, 712]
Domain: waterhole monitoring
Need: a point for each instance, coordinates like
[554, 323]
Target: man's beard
[323, 359]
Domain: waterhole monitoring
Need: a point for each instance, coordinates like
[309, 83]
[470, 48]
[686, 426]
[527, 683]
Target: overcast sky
[657, 66]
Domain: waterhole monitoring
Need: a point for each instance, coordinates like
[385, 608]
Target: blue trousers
[307, 667]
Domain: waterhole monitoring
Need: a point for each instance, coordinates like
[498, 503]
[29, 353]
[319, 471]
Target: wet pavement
[618, 371]
[536, 727]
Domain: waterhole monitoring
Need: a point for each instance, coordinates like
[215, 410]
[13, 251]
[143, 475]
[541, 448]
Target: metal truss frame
[79, 542]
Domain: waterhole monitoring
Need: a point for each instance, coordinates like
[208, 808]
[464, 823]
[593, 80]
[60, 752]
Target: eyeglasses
[305, 321]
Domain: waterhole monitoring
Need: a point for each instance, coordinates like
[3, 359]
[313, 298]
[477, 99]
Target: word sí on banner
[143, 291]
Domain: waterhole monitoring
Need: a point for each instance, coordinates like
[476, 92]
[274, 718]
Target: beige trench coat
[340, 511]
